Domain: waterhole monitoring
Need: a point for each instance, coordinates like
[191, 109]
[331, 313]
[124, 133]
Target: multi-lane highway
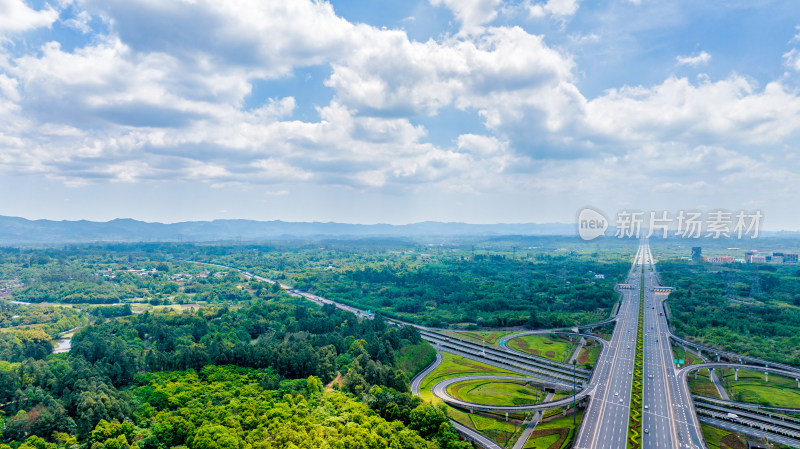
[605, 423]
[668, 417]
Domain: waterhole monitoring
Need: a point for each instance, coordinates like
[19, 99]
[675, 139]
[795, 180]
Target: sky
[398, 111]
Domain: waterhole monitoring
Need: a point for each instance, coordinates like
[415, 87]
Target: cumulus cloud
[396, 74]
[471, 13]
[733, 110]
[701, 58]
[16, 16]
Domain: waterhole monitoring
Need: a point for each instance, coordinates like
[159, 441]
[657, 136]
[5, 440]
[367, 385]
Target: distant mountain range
[15, 230]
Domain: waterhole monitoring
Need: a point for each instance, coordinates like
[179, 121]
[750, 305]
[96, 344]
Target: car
[620, 400]
[616, 393]
[646, 430]
[646, 407]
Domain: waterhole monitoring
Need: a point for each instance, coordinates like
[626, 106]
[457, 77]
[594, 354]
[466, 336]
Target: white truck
[732, 416]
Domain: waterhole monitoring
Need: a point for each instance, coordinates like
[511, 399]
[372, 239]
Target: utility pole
[574, 391]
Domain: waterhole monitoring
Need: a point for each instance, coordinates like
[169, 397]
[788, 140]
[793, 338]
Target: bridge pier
[766, 376]
[798, 382]
[564, 412]
[736, 374]
[506, 416]
[718, 357]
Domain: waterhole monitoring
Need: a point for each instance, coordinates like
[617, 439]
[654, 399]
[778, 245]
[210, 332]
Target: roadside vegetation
[635, 420]
[557, 433]
[702, 385]
[752, 387]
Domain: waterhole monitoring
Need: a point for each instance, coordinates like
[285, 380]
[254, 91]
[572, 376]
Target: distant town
[756, 257]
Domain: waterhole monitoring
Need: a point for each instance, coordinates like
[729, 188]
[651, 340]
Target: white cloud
[16, 16]
[80, 22]
[792, 59]
[392, 73]
[269, 39]
[471, 13]
[701, 58]
[556, 8]
[730, 111]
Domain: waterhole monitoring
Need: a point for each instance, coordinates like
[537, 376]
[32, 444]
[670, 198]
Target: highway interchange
[669, 414]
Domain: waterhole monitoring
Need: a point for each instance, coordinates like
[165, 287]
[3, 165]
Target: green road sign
[680, 361]
[674, 360]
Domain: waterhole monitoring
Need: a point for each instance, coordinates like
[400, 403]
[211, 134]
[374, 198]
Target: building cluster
[757, 257]
[180, 277]
[769, 257]
[6, 285]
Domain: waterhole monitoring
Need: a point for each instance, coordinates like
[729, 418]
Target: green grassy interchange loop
[635, 422]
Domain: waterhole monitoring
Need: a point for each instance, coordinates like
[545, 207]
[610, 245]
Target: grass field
[497, 429]
[560, 428]
[688, 357]
[414, 358]
[703, 385]
[751, 387]
[479, 337]
[453, 366]
[497, 392]
[589, 354]
[558, 349]
[722, 439]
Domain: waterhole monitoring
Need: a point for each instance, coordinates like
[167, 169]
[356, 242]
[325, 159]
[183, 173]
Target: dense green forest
[749, 309]
[453, 286]
[241, 365]
[285, 348]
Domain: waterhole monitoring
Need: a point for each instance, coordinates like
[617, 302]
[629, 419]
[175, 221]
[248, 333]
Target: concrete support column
[766, 376]
[798, 382]
[718, 357]
[736, 374]
[506, 416]
[695, 374]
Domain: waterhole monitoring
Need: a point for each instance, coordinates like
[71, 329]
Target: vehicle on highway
[732, 416]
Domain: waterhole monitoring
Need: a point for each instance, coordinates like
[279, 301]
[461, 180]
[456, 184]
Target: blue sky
[479, 111]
